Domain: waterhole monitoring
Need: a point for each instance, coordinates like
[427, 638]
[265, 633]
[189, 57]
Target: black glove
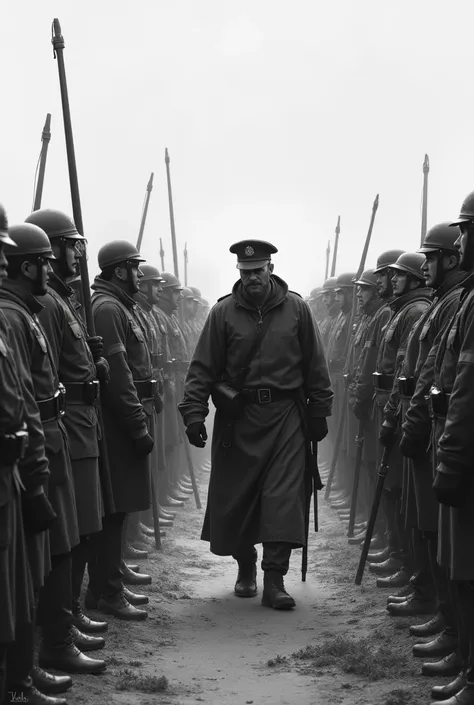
[412, 447]
[387, 435]
[102, 369]
[450, 490]
[317, 429]
[197, 434]
[361, 409]
[158, 403]
[96, 346]
[38, 514]
[144, 445]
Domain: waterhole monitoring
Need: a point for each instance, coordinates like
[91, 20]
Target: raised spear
[424, 208]
[171, 209]
[336, 245]
[162, 255]
[185, 253]
[45, 139]
[328, 254]
[149, 189]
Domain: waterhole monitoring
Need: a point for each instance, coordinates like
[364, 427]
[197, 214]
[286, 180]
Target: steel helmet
[170, 281]
[386, 259]
[116, 252]
[345, 280]
[411, 263]
[367, 278]
[330, 284]
[4, 238]
[188, 293]
[29, 240]
[196, 291]
[150, 274]
[467, 210]
[439, 237]
[315, 293]
[55, 224]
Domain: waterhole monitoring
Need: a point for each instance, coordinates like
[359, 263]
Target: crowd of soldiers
[89, 440]
[403, 377]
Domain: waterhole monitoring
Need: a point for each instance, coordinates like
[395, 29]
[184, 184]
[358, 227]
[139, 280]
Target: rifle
[41, 168]
[342, 414]
[382, 474]
[171, 210]
[162, 256]
[359, 439]
[328, 254]
[313, 484]
[336, 245]
[424, 210]
[146, 203]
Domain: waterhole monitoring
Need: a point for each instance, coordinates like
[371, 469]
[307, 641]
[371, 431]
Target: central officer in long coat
[257, 484]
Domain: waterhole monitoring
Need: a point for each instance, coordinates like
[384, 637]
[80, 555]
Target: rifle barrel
[171, 209]
[45, 139]
[424, 211]
[336, 245]
[149, 189]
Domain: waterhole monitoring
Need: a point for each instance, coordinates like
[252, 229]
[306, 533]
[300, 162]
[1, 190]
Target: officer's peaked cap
[252, 254]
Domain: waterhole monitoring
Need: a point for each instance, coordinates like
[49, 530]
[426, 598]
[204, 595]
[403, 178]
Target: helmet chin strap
[467, 259]
[39, 288]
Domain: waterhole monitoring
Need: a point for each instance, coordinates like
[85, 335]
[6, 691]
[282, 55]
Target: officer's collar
[453, 280]
[13, 289]
[422, 293]
[60, 286]
[103, 286]
[143, 302]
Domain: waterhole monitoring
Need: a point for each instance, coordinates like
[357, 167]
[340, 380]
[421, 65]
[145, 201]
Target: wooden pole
[424, 208]
[171, 209]
[45, 139]
[149, 189]
[336, 245]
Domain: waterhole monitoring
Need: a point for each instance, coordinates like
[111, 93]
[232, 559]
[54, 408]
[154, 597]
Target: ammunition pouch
[227, 400]
[13, 447]
[383, 383]
[438, 402]
[146, 389]
[53, 408]
[82, 392]
[406, 386]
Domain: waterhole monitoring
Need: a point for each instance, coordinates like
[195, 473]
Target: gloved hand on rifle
[317, 428]
[197, 434]
[450, 488]
[38, 514]
[144, 445]
[102, 369]
[387, 434]
[96, 346]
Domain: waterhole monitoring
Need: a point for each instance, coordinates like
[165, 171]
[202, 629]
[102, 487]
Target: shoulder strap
[243, 372]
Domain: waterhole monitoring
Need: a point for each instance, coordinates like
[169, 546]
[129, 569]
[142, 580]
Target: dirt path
[201, 644]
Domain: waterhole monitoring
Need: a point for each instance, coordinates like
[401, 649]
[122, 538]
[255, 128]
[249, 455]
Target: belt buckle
[264, 396]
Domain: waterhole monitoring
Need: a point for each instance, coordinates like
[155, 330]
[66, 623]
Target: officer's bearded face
[3, 264]
[256, 281]
[384, 284]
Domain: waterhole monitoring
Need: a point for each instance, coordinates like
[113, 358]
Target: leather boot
[32, 695]
[172, 502]
[388, 567]
[164, 514]
[47, 683]
[401, 595]
[379, 556]
[356, 539]
[119, 607]
[442, 645]
[69, 659]
[134, 553]
[412, 607]
[147, 530]
[246, 583]
[434, 626]
[448, 666]
[274, 593]
[132, 578]
[443, 692]
[85, 642]
[463, 697]
[85, 624]
[134, 598]
[165, 524]
[133, 566]
[377, 543]
[397, 580]
[90, 600]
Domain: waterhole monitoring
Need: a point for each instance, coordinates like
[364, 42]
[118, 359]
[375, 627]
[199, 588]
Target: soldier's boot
[47, 683]
[246, 583]
[274, 593]
[443, 692]
[442, 645]
[84, 623]
[26, 692]
[434, 626]
[86, 642]
[463, 697]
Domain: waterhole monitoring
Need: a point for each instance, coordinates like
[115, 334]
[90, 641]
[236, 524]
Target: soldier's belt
[407, 386]
[438, 402]
[53, 408]
[13, 446]
[267, 395]
[146, 389]
[383, 382]
[82, 392]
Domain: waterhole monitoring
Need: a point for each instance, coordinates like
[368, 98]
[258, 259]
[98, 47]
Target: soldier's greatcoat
[256, 490]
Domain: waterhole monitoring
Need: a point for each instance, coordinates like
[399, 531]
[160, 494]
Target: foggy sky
[278, 117]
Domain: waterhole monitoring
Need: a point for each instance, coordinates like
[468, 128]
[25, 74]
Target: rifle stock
[382, 474]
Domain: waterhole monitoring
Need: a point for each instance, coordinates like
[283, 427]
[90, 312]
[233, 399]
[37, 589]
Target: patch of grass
[114, 661]
[277, 661]
[128, 680]
[361, 657]
[136, 664]
[399, 696]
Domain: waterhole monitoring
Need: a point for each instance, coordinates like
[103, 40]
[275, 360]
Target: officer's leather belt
[53, 408]
[383, 382]
[406, 386]
[438, 402]
[82, 392]
[266, 395]
[146, 389]
[13, 446]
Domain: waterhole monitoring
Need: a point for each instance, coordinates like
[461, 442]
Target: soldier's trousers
[105, 574]
[18, 660]
[82, 554]
[276, 556]
[464, 605]
[54, 606]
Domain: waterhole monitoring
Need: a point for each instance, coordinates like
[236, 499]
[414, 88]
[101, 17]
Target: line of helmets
[441, 239]
[47, 226]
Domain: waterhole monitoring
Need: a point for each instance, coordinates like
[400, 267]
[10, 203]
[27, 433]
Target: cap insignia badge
[249, 251]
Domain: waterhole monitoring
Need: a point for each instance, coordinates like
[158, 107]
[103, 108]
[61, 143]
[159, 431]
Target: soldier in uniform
[411, 299]
[332, 310]
[257, 484]
[78, 359]
[190, 327]
[127, 406]
[452, 407]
